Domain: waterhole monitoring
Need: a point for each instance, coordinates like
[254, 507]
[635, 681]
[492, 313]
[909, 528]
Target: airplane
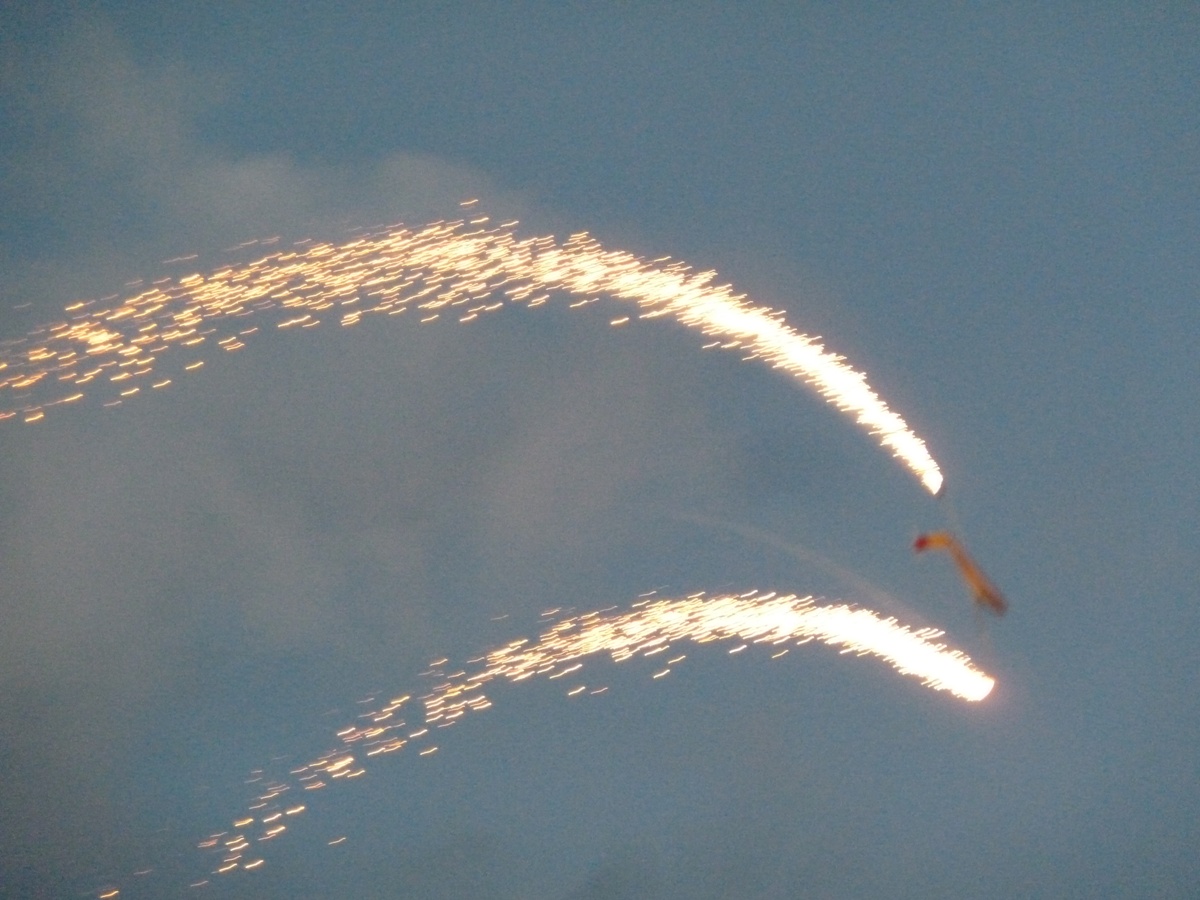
[984, 591]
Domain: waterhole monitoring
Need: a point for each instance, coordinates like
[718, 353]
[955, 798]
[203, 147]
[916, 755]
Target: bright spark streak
[648, 628]
[459, 267]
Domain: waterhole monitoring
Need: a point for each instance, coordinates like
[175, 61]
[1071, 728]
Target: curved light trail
[651, 629]
[462, 269]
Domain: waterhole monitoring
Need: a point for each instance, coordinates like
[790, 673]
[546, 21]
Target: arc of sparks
[651, 628]
[464, 268]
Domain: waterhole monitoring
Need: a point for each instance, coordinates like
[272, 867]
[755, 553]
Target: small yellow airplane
[984, 591]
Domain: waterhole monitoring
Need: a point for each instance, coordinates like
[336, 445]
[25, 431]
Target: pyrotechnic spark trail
[463, 268]
[650, 628]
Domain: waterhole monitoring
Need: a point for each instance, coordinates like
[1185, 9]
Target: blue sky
[992, 210]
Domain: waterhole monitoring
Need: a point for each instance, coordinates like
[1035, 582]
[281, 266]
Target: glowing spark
[460, 267]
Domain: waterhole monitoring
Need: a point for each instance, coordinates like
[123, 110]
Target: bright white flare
[463, 268]
[652, 628]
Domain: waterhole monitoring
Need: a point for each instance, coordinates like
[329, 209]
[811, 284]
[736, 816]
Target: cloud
[114, 163]
[111, 169]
